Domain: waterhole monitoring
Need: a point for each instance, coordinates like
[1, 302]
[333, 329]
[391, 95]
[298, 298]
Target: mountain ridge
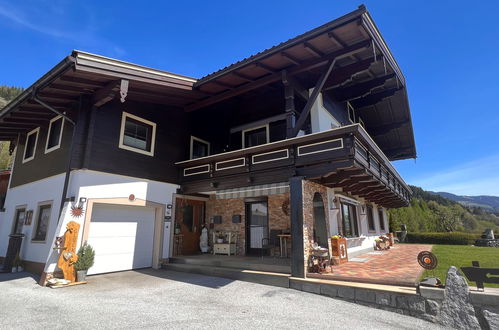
[487, 202]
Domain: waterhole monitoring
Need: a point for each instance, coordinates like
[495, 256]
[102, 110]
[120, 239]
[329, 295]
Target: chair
[272, 241]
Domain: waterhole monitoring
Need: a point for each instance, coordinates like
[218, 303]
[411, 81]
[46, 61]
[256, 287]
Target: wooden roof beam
[242, 76]
[374, 98]
[265, 67]
[383, 129]
[265, 80]
[360, 90]
[290, 58]
[312, 50]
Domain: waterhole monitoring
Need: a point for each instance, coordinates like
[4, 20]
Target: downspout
[70, 156]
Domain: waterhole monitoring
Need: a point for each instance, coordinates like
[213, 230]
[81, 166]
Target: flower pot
[81, 275]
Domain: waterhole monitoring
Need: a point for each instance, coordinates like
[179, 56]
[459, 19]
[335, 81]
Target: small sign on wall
[236, 218]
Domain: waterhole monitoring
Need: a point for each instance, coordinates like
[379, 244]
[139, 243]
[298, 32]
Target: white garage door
[122, 237]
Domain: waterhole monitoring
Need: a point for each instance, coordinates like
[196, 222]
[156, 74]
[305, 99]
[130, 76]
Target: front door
[189, 218]
[257, 226]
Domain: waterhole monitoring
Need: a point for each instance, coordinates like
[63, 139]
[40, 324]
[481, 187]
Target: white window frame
[58, 145]
[37, 132]
[121, 145]
[193, 138]
[36, 220]
[267, 135]
[349, 106]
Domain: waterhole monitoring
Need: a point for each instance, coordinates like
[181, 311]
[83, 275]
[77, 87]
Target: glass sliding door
[257, 226]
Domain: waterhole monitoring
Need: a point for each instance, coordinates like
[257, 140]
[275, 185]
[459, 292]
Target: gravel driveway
[166, 299]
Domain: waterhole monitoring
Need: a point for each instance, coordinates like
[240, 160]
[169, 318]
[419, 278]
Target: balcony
[344, 157]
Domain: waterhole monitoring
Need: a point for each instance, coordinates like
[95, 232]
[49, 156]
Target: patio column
[296, 214]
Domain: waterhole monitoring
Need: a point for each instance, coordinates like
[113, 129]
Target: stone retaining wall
[427, 305]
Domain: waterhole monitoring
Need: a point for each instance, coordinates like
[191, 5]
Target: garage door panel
[122, 237]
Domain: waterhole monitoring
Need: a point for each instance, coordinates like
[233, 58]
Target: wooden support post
[296, 214]
[317, 89]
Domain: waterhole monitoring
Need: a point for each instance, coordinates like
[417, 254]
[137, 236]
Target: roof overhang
[366, 72]
[84, 74]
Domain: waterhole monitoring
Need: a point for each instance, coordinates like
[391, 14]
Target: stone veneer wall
[236, 206]
[309, 190]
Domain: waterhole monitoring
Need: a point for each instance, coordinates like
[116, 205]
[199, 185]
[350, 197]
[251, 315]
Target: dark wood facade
[346, 59]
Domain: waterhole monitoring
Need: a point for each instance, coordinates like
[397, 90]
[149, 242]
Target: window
[255, 136]
[54, 135]
[351, 113]
[42, 222]
[19, 218]
[370, 218]
[30, 146]
[381, 219]
[349, 219]
[137, 134]
[199, 148]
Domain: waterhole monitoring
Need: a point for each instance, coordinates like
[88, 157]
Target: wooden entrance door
[257, 226]
[189, 215]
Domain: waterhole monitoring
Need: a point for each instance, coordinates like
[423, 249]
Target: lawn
[462, 255]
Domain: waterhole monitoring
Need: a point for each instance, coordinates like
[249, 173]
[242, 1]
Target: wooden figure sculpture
[68, 255]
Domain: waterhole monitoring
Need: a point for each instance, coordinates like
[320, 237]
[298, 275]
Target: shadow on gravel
[195, 279]
[4, 277]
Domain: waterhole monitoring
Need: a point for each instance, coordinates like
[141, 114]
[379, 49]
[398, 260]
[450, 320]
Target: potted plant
[86, 256]
[220, 238]
[17, 264]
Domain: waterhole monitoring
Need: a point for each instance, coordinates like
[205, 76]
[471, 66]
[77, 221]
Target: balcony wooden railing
[343, 157]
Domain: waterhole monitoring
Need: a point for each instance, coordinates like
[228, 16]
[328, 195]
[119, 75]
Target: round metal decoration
[131, 197]
[427, 260]
[76, 211]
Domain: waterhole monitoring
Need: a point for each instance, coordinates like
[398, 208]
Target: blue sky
[448, 51]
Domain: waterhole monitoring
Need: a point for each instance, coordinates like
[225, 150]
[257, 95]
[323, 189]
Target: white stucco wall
[320, 118]
[92, 185]
[30, 195]
[83, 183]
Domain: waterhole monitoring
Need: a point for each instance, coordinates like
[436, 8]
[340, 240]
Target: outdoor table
[284, 237]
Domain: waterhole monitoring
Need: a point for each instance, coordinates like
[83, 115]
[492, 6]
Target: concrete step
[247, 275]
[229, 263]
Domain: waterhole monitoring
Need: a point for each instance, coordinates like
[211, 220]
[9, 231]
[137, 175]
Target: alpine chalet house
[273, 155]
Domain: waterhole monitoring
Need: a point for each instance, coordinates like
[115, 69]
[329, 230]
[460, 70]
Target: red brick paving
[397, 266]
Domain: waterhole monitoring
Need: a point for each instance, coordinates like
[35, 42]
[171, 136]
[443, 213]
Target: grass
[463, 255]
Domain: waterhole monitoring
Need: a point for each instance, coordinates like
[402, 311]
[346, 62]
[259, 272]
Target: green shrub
[452, 238]
[86, 256]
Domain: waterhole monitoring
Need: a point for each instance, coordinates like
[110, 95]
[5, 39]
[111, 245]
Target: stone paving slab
[397, 266]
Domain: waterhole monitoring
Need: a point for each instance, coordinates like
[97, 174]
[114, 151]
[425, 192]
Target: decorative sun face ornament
[76, 211]
[427, 260]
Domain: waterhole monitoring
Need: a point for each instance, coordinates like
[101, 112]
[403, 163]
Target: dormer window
[137, 134]
[30, 146]
[255, 136]
[54, 135]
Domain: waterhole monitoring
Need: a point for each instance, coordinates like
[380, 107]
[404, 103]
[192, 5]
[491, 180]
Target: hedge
[453, 238]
